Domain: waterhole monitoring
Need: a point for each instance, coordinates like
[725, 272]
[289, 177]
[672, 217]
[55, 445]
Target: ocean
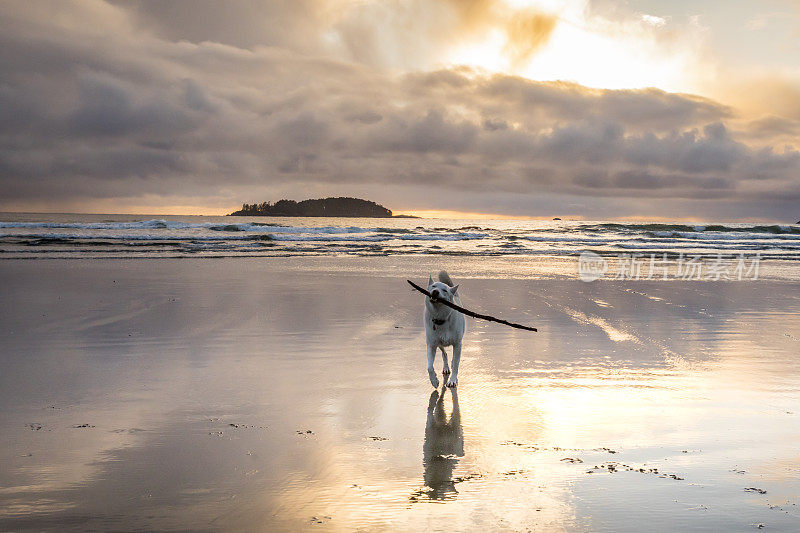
[495, 242]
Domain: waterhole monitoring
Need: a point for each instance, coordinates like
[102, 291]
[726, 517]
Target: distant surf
[89, 236]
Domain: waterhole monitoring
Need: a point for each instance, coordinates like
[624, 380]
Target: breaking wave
[225, 236]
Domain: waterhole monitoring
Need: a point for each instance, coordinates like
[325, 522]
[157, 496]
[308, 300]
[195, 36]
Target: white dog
[443, 326]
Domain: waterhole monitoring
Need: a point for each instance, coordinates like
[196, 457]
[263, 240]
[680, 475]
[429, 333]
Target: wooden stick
[468, 312]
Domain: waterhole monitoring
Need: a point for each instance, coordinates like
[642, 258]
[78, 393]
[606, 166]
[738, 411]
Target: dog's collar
[439, 321]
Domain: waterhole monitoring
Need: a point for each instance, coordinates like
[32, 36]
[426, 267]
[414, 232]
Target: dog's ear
[430, 280]
[454, 290]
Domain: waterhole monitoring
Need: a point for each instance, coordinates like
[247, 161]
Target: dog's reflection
[444, 444]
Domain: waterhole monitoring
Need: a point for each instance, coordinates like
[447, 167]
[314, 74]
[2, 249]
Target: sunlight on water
[243, 395]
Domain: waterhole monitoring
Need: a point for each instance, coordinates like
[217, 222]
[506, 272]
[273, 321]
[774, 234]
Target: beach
[210, 212]
[285, 394]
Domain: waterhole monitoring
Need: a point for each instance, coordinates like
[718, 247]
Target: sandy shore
[244, 394]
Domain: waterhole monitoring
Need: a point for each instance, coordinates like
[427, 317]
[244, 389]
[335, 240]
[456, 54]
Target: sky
[592, 109]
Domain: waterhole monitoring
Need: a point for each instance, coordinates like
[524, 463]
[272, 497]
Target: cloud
[772, 128]
[526, 33]
[103, 103]
[761, 20]
[653, 20]
[296, 24]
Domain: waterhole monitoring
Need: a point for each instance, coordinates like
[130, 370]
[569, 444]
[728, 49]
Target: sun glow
[632, 54]
[600, 60]
[463, 215]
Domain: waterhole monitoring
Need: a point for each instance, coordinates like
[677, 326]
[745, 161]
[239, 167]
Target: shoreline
[558, 268]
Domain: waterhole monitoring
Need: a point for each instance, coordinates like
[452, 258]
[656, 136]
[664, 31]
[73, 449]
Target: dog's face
[441, 291]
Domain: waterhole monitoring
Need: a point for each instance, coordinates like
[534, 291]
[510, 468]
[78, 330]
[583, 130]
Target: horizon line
[433, 214]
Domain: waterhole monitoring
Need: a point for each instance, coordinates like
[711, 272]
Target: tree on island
[322, 207]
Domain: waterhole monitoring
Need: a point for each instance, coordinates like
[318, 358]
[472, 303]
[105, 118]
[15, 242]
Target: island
[321, 207]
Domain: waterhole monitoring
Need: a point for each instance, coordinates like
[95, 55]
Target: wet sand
[249, 394]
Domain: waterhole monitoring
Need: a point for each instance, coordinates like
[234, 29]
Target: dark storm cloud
[120, 101]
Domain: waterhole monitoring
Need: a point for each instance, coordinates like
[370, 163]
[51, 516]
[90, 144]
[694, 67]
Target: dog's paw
[452, 382]
[446, 370]
[434, 379]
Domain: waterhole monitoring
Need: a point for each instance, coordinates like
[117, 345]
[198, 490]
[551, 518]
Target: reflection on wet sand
[195, 413]
[443, 446]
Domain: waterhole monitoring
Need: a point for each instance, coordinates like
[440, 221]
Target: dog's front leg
[453, 381]
[431, 371]
[446, 369]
